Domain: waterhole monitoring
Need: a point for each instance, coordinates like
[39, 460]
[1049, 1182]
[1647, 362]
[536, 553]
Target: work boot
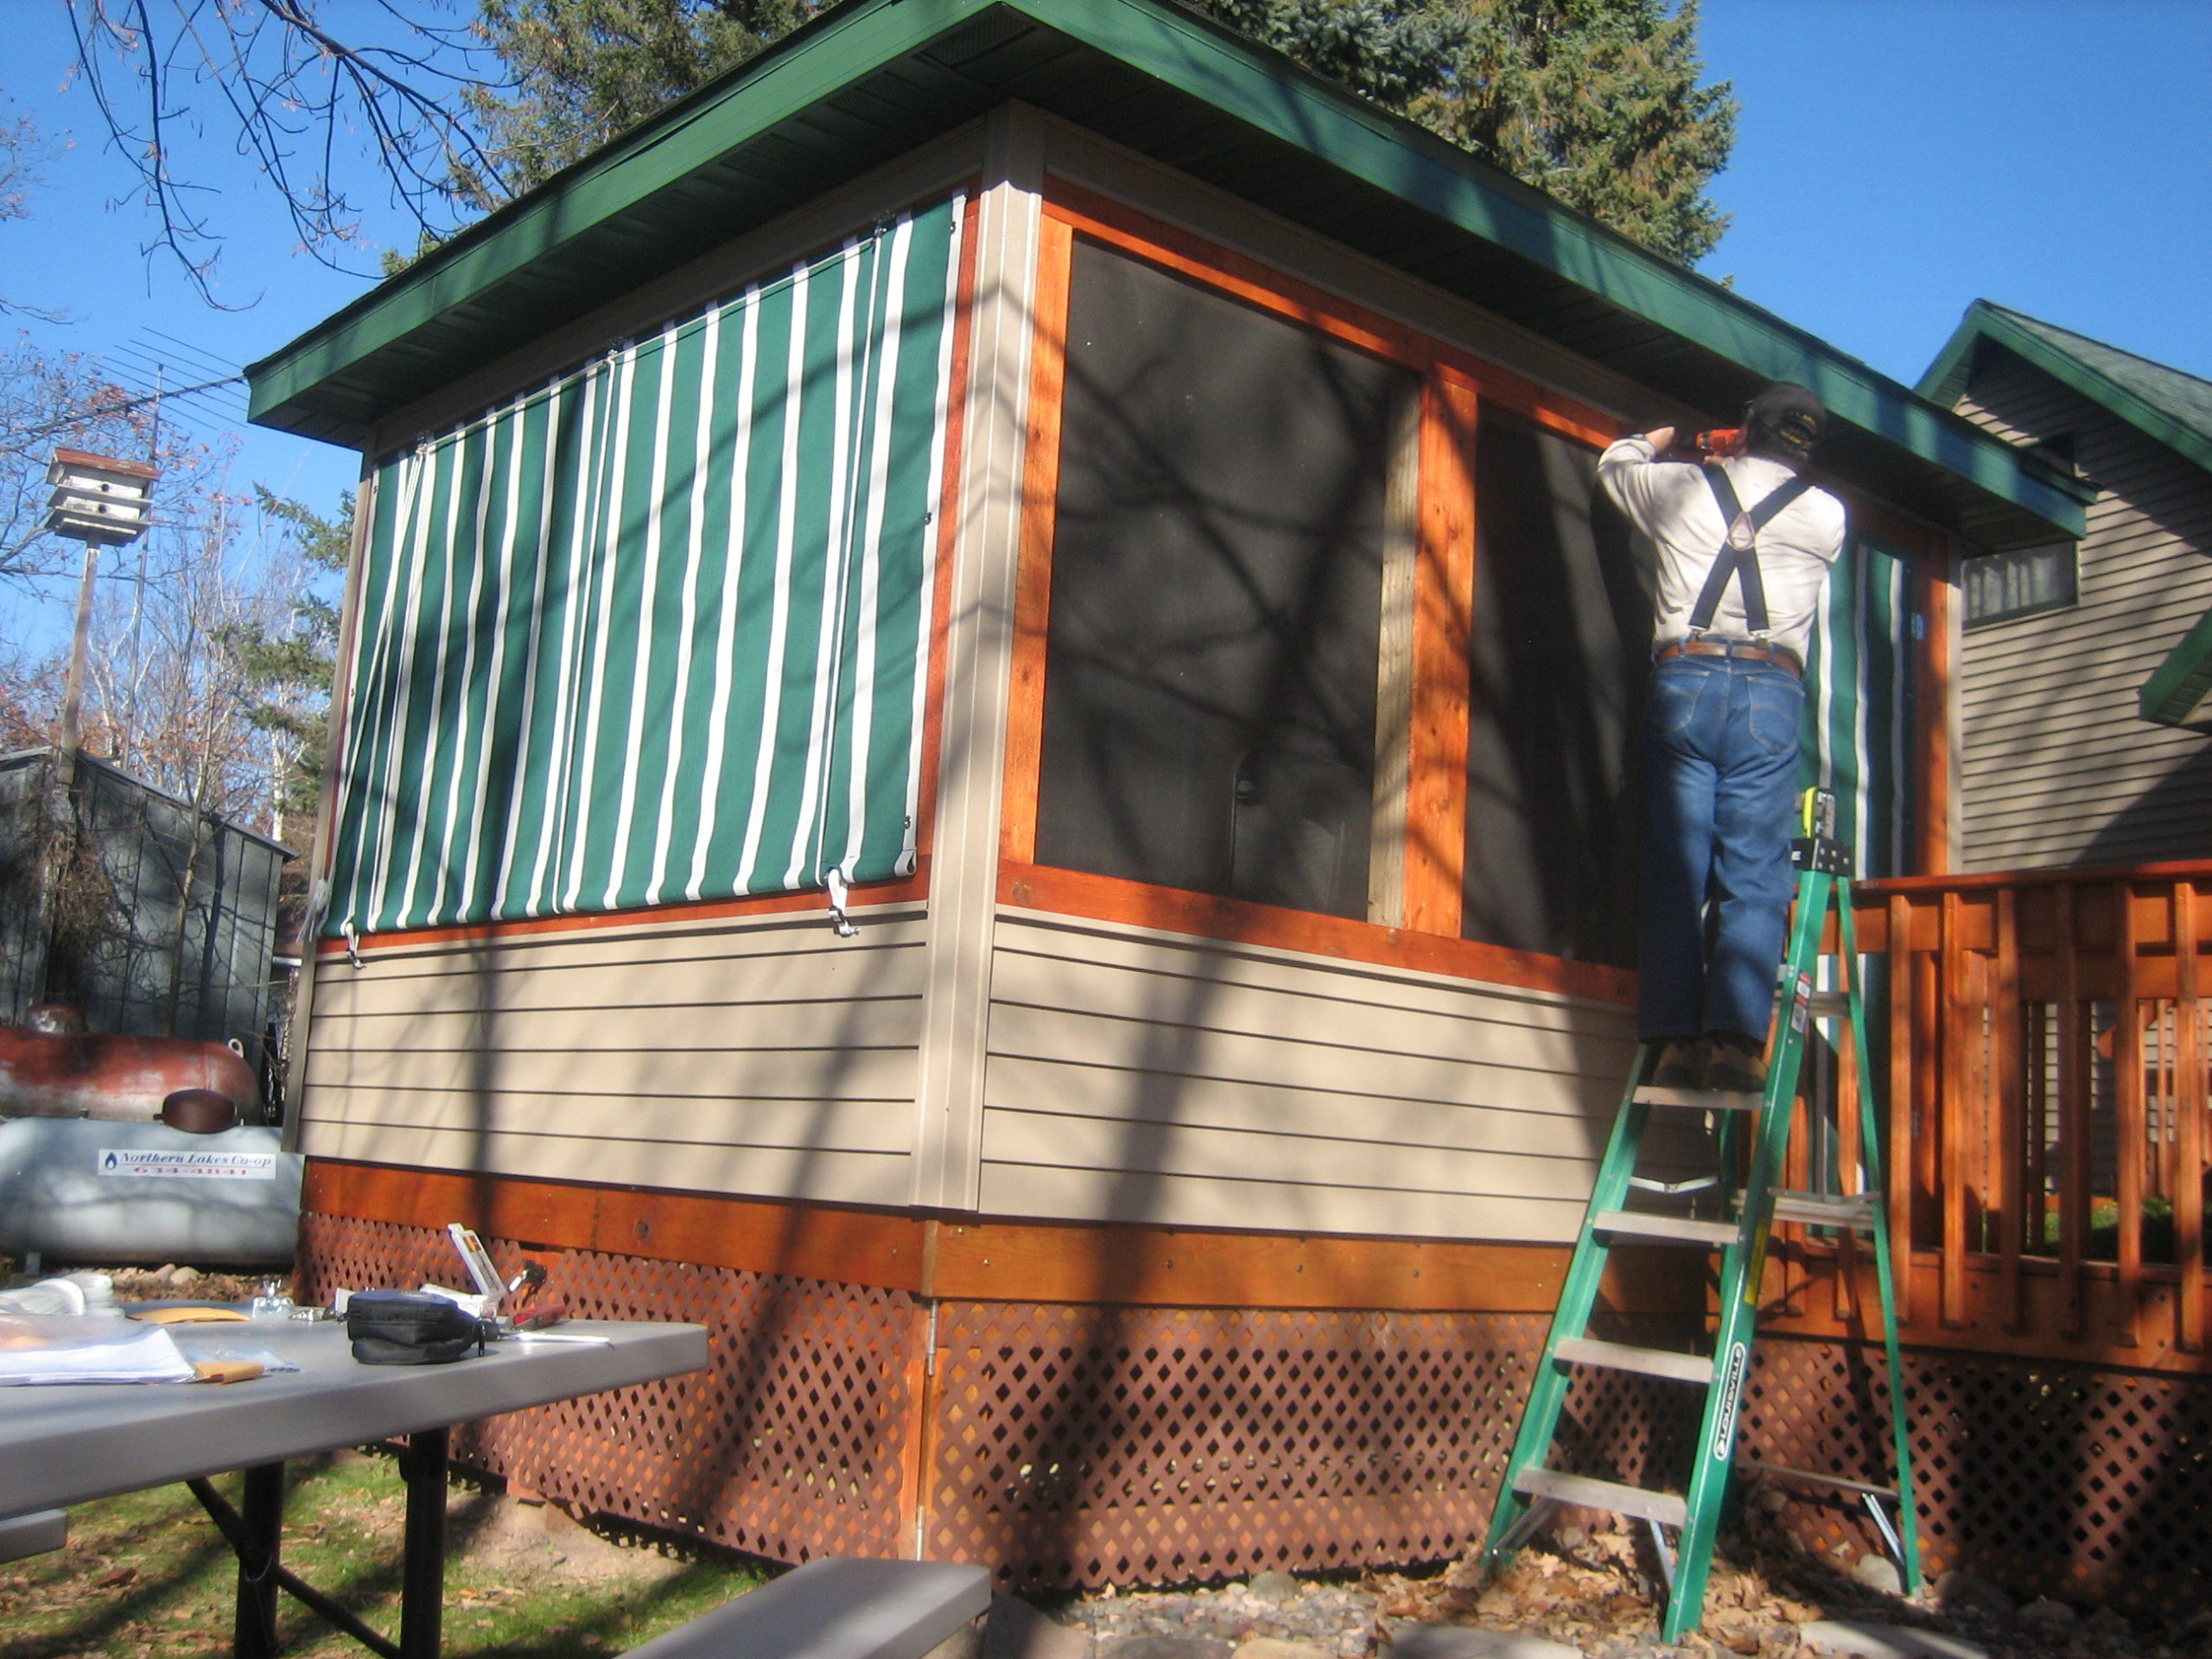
[1735, 1064]
[1681, 1063]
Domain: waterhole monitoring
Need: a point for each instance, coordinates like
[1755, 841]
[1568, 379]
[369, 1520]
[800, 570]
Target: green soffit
[871, 78]
[2172, 693]
[2162, 402]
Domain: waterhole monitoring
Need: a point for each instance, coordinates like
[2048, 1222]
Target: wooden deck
[2047, 1110]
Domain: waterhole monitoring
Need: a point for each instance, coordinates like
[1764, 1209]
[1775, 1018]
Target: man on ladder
[1744, 546]
[1738, 587]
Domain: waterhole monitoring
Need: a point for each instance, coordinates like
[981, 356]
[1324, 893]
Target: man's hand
[1660, 438]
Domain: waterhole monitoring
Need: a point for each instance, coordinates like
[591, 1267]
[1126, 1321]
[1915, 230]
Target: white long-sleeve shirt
[1671, 502]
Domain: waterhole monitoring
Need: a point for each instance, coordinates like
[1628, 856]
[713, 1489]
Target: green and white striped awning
[658, 630]
[1858, 700]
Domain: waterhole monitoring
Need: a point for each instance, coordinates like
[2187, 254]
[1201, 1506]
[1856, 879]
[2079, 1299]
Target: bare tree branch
[290, 90]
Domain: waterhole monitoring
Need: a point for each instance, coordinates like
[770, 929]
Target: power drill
[1720, 443]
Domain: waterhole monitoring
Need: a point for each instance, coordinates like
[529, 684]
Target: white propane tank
[89, 1190]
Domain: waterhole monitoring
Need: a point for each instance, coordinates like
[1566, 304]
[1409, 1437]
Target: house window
[2027, 582]
[1223, 524]
[1561, 630]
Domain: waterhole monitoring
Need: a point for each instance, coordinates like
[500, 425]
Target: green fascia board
[1418, 168]
[1206, 62]
[2172, 693]
[1947, 375]
[797, 72]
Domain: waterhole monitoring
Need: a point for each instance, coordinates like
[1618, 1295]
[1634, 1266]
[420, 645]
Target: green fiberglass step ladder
[1532, 1489]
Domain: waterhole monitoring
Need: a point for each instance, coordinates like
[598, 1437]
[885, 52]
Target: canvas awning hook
[351, 935]
[840, 892]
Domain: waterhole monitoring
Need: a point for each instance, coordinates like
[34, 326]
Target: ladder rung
[1667, 1229]
[1699, 1100]
[1666, 1508]
[1829, 1005]
[1782, 1472]
[1826, 1209]
[1620, 1357]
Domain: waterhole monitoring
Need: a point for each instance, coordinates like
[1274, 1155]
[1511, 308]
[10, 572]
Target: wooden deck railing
[2046, 1106]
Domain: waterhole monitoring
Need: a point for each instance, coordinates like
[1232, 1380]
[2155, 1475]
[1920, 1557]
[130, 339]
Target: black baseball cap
[1787, 417]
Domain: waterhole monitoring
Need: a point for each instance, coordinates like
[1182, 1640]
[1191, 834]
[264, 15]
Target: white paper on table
[41, 1349]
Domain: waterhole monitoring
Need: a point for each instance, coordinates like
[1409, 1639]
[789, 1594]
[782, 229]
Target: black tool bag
[410, 1327]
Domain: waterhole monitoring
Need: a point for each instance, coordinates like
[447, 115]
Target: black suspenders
[1739, 552]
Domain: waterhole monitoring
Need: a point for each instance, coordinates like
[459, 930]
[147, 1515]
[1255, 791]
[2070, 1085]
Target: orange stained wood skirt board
[986, 1260]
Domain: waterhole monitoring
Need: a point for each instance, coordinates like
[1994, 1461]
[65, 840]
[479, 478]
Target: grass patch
[2103, 1243]
[147, 1574]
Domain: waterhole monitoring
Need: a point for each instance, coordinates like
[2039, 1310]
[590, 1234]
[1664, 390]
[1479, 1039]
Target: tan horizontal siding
[693, 1071]
[2086, 761]
[1226, 1201]
[795, 1125]
[1135, 1076]
[755, 1056]
[2057, 767]
[881, 948]
[535, 1152]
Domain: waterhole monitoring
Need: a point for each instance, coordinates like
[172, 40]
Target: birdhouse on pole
[99, 500]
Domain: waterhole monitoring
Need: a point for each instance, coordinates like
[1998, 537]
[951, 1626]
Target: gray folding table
[70, 1443]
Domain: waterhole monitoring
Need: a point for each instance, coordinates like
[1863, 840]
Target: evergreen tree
[582, 71]
[1392, 55]
[1597, 103]
[290, 668]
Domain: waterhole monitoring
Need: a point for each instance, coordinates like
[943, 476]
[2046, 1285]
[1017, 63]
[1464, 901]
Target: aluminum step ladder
[1615, 1221]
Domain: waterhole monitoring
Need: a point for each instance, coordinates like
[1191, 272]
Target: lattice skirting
[2053, 1479]
[798, 1440]
[1071, 1446]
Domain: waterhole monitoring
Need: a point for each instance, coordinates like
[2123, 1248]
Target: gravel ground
[1593, 1592]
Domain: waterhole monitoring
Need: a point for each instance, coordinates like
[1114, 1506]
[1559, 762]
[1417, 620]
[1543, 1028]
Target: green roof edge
[770, 85]
[1986, 320]
[1204, 61]
[1416, 167]
[2170, 696]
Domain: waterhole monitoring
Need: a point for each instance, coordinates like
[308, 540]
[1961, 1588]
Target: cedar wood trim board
[986, 1261]
[1058, 1263]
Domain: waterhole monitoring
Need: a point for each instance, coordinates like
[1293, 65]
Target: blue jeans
[1719, 782]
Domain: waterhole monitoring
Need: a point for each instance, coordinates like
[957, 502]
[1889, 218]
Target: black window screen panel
[1210, 683]
[1559, 649]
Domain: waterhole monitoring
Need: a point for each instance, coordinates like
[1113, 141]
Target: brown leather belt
[1742, 651]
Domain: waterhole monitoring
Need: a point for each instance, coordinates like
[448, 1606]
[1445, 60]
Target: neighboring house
[1123, 506]
[2085, 742]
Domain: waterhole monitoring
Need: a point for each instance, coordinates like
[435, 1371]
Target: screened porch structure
[987, 735]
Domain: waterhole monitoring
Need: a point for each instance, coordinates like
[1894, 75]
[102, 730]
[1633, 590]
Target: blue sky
[1896, 160]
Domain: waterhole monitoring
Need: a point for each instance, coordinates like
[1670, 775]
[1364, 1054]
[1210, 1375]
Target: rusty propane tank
[99, 1074]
